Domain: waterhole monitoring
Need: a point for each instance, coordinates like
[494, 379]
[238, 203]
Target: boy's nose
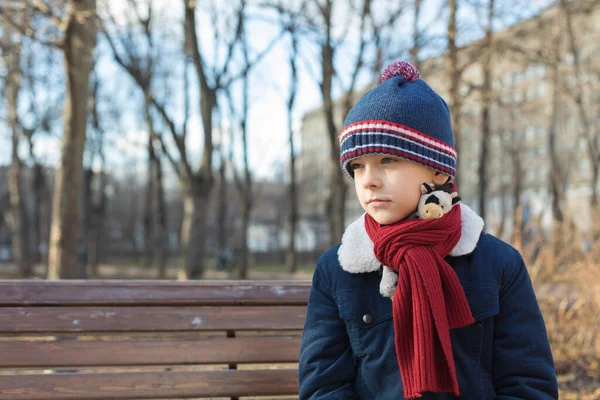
[371, 178]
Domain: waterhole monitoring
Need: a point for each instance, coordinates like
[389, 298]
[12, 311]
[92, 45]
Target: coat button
[367, 319]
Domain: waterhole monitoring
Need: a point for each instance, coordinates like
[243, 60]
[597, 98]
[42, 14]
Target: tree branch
[252, 63]
[234, 41]
[4, 15]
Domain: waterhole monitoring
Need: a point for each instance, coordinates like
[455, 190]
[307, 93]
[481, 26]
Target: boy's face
[389, 187]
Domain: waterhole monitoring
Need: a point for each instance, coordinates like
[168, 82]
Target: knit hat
[404, 117]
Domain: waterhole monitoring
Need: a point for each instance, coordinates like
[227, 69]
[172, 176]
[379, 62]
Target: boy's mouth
[377, 202]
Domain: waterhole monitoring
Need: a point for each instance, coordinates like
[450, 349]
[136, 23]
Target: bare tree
[42, 116]
[197, 183]
[459, 61]
[417, 37]
[95, 185]
[290, 256]
[577, 93]
[336, 197]
[78, 43]
[455, 79]
[142, 67]
[222, 203]
[17, 218]
[486, 99]
[557, 174]
[155, 208]
[244, 184]
[198, 186]
[291, 21]
[549, 52]
[514, 146]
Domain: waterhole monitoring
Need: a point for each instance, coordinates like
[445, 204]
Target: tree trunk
[193, 231]
[86, 235]
[335, 201]
[160, 257]
[155, 212]
[40, 215]
[96, 229]
[97, 203]
[242, 270]
[247, 195]
[517, 184]
[79, 44]
[592, 144]
[222, 205]
[485, 114]
[416, 47]
[35, 235]
[149, 234]
[455, 73]
[503, 211]
[18, 221]
[204, 177]
[555, 165]
[16, 218]
[290, 256]
[94, 203]
[594, 199]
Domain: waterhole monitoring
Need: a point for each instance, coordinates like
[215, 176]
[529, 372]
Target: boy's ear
[440, 178]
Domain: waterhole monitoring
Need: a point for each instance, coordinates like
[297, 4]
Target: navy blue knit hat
[403, 116]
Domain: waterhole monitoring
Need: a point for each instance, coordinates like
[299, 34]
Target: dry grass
[565, 270]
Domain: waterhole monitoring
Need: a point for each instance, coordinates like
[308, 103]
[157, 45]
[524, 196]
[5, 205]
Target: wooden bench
[150, 339]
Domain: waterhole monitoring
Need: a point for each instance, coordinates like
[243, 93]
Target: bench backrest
[149, 339]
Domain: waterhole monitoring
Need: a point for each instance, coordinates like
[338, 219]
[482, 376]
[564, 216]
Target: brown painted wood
[146, 292]
[148, 385]
[117, 319]
[76, 353]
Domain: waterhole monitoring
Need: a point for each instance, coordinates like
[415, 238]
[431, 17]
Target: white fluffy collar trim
[356, 254]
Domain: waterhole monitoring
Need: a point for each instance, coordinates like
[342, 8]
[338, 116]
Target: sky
[267, 125]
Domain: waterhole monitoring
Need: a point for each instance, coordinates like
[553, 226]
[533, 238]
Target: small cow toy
[435, 202]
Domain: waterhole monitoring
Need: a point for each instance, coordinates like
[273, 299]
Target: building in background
[521, 113]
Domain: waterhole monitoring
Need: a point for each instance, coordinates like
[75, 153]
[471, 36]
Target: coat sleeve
[523, 364]
[326, 368]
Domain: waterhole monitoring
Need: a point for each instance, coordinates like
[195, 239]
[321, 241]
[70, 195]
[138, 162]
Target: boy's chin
[387, 219]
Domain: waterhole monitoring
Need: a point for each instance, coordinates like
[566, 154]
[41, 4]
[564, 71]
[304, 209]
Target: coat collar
[356, 254]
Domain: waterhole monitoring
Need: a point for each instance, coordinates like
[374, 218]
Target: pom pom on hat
[403, 69]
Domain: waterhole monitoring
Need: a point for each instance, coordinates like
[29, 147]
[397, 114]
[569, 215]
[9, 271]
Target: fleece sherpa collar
[356, 254]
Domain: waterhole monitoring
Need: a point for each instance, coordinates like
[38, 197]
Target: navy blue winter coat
[348, 347]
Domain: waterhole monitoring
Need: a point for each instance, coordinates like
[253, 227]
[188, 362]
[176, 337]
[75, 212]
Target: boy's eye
[388, 160]
[354, 166]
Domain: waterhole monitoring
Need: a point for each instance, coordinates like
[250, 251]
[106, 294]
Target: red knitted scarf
[429, 299]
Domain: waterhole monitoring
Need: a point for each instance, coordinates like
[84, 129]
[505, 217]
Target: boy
[462, 321]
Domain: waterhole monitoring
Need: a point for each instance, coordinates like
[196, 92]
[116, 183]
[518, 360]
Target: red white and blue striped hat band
[383, 137]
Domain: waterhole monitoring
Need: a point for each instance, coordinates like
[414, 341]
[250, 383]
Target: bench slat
[76, 353]
[114, 292]
[154, 319]
[147, 385]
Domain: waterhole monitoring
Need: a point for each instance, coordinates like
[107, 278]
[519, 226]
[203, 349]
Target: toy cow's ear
[425, 188]
[453, 195]
[455, 199]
